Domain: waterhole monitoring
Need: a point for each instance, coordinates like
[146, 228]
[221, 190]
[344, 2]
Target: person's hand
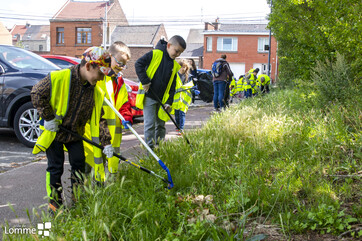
[108, 151]
[51, 125]
[146, 87]
[126, 124]
[168, 108]
[197, 92]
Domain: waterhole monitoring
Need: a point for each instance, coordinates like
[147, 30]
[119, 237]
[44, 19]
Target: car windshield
[23, 59]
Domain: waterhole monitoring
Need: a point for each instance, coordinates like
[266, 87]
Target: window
[60, 35]
[84, 36]
[209, 44]
[263, 44]
[227, 44]
[40, 47]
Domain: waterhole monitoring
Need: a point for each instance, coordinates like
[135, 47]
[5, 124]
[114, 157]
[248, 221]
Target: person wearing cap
[67, 97]
[116, 93]
[250, 82]
[264, 82]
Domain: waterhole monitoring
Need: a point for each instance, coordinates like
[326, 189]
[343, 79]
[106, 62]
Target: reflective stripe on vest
[60, 83]
[94, 133]
[151, 70]
[183, 97]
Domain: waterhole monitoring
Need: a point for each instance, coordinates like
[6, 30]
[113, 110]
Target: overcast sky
[178, 16]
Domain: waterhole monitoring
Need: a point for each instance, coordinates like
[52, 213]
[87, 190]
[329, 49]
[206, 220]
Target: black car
[19, 71]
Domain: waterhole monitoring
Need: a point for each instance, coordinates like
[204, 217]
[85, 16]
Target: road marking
[15, 152]
[7, 205]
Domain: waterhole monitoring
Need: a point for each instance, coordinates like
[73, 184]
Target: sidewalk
[24, 188]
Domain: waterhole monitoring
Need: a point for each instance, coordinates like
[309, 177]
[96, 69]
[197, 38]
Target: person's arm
[141, 67]
[229, 72]
[126, 112]
[172, 91]
[40, 97]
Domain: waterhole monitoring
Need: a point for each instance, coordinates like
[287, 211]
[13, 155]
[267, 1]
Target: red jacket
[125, 110]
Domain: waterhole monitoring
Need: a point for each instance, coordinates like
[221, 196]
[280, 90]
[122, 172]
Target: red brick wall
[70, 48]
[247, 52]
[136, 53]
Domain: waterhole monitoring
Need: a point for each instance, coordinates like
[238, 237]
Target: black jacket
[162, 75]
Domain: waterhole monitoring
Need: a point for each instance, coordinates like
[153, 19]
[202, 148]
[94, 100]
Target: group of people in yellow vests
[250, 84]
[74, 104]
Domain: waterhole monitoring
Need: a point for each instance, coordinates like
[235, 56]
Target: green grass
[275, 160]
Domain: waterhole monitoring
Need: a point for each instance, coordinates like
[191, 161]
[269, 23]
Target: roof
[240, 28]
[136, 34]
[18, 29]
[195, 36]
[193, 50]
[82, 10]
[37, 32]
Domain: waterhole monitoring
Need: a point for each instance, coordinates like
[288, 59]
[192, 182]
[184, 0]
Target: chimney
[209, 26]
[27, 25]
[216, 24]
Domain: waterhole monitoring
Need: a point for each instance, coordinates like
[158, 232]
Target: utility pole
[105, 32]
[271, 6]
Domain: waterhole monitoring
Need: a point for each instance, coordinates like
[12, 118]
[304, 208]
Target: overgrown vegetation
[308, 31]
[289, 161]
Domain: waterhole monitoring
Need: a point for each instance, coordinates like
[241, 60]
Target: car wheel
[26, 124]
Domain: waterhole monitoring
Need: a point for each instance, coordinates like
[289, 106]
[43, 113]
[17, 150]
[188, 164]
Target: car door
[2, 111]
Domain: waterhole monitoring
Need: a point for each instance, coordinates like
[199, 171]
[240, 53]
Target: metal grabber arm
[114, 154]
[172, 119]
[170, 182]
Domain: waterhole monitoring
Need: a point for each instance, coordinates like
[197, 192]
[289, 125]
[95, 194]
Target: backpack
[216, 68]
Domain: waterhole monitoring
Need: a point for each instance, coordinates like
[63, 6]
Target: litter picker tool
[173, 120]
[115, 154]
[170, 182]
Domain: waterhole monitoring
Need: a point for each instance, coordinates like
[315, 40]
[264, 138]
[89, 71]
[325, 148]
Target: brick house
[245, 45]
[17, 33]
[140, 39]
[37, 38]
[80, 25]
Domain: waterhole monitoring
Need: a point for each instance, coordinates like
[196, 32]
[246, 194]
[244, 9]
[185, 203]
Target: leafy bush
[334, 81]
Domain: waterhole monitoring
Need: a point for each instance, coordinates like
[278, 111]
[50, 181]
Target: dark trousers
[55, 169]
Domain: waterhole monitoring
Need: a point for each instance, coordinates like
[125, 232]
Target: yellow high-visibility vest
[240, 85]
[183, 97]
[60, 86]
[266, 81]
[151, 70]
[114, 125]
[232, 87]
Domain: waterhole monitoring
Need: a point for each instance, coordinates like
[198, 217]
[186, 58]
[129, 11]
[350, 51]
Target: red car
[131, 86]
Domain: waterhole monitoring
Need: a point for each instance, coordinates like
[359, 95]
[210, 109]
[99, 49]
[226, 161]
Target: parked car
[132, 87]
[62, 61]
[19, 71]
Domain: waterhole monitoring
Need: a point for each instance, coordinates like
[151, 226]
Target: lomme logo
[43, 230]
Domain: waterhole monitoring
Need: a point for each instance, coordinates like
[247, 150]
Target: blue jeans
[248, 93]
[154, 127]
[180, 118]
[219, 91]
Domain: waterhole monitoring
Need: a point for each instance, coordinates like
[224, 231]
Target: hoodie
[226, 73]
[162, 75]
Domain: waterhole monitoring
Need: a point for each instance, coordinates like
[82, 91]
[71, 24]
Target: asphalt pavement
[22, 175]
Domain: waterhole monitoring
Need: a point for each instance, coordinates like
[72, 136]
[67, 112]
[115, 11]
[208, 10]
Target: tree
[308, 31]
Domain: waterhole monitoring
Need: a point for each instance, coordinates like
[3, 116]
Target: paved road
[22, 181]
